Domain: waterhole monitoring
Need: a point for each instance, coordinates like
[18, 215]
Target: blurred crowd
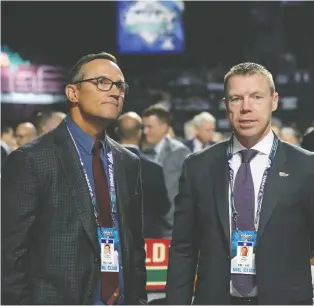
[13, 138]
[151, 136]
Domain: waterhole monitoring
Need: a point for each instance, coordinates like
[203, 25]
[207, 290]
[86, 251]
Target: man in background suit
[58, 208]
[155, 199]
[205, 126]
[48, 120]
[7, 141]
[168, 152]
[25, 132]
[212, 223]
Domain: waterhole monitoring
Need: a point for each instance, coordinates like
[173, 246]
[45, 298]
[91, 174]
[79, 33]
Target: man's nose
[246, 106]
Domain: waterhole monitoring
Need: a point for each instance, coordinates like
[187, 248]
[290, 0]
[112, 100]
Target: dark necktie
[109, 280]
[244, 198]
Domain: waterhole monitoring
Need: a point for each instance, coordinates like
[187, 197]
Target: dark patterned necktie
[109, 280]
[244, 198]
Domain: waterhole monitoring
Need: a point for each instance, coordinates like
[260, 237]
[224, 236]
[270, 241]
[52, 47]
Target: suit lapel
[273, 188]
[76, 181]
[221, 189]
[164, 152]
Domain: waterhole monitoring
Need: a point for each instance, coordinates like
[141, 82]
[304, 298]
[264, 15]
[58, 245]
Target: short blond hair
[249, 69]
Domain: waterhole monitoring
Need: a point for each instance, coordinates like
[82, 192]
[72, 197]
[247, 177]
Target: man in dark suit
[223, 203]
[167, 151]
[205, 126]
[67, 194]
[308, 144]
[7, 138]
[156, 204]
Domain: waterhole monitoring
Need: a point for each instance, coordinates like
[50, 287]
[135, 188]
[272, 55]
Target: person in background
[289, 134]
[25, 132]
[156, 204]
[171, 132]
[253, 189]
[189, 130]
[7, 143]
[168, 152]
[47, 121]
[276, 126]
[205, 127]
[218, 137]
[68, 192]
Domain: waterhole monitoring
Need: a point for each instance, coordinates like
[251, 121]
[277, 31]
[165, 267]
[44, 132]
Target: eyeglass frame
[102, 77]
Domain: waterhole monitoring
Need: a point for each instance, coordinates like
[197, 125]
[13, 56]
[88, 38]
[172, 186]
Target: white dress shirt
[197, 145]
[6, 147]
[159, 146]
[258, 165]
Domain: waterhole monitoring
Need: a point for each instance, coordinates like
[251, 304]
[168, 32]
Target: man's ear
[275, 101]
[72, 93]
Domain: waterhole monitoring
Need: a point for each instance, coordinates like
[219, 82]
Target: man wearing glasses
[68, 194]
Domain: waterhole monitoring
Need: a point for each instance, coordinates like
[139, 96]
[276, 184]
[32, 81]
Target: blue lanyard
[111, 184]
[271, 158]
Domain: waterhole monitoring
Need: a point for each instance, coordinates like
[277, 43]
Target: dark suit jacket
[190, 144]
[308, 141]
[4, 155]
[50, 250]
[202, 227]
[156, 203]
[308, 144]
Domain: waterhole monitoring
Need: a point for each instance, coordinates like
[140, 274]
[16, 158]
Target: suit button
[96, 260]
[89, 293]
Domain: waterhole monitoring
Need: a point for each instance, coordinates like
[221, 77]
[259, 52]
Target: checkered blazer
[50, 252]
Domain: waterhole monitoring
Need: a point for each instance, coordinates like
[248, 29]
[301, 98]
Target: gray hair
[76, 72]
[199, 119]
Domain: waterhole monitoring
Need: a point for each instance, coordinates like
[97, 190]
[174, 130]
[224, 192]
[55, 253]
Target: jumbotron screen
[150, 27]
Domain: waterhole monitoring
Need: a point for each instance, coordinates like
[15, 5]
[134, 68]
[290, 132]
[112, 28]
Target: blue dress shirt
[85, 143]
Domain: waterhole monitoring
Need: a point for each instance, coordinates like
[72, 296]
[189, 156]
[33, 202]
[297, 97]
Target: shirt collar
[81, 137]
[160, 145]
[5, 146]
[264, 146]
[197, 143]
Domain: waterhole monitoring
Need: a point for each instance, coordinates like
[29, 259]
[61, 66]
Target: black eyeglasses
[105, 84]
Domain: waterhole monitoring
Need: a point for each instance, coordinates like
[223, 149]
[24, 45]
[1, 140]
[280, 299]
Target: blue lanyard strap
[271, 158]
[111, 185]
